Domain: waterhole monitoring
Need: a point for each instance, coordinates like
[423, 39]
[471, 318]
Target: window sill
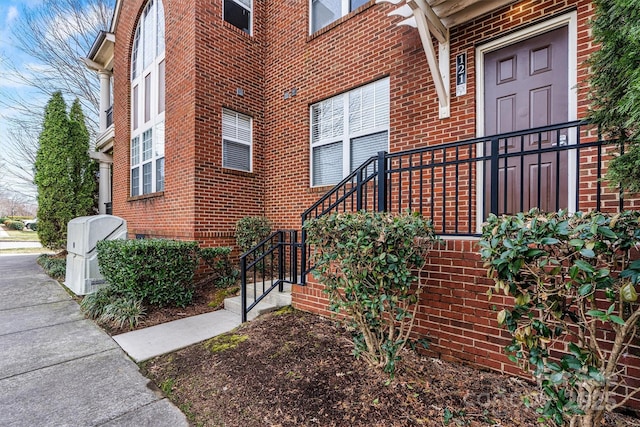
[339, 21]
[146, 196]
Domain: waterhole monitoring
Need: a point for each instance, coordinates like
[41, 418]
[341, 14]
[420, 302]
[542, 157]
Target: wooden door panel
[526, 86]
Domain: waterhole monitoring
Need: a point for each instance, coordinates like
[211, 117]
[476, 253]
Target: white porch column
[105, 97]
[104, 184]
[104, 194]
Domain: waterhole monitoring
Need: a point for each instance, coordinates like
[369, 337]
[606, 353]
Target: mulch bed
[206, 298]
[296, 369]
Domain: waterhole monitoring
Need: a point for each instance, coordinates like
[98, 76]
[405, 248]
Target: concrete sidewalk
[59, 369]
[147, 343]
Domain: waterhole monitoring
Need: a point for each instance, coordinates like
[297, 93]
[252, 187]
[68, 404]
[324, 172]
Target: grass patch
[221, 295]
[25, 251]
[21, 236]
[224, 342]
[284, 310]
[167, 386]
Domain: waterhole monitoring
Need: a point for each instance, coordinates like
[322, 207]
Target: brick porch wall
[457, 316]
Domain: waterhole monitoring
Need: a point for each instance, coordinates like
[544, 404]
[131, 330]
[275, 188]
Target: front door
[526, 86]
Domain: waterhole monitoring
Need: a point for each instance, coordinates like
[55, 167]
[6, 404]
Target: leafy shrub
[251, 230]
[123, 310]
[219, 261]
[93, 305]
[159, 272]
[15, 225]
[3, 219]
[562, 271]
[369, 264]
[54, 266]
[107, 306]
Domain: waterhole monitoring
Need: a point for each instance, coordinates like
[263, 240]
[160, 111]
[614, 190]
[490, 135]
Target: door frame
[571, 21]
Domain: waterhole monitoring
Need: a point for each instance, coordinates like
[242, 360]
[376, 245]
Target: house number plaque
[461, 74]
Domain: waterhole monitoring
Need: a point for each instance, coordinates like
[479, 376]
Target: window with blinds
[348, 129]
[236, 141]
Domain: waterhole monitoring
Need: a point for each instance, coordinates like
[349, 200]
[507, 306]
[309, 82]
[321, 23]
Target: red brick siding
[206, 61]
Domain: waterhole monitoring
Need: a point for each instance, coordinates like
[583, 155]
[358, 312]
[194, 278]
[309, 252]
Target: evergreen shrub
[158, 272]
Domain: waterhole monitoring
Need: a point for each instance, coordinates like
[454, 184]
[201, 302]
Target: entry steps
[273, 301]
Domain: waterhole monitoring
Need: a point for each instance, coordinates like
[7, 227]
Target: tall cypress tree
[615, 85]
[82, 170]
[63, 172]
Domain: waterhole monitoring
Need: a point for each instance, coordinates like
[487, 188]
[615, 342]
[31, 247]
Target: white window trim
[346, 137]
[244, 7]
[156, 118]
[571, 21]
[238, 141]
[344, 11]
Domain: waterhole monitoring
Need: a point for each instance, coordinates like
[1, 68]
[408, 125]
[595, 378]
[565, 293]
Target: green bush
[15, 225]
[3, 219]
[158, 272]
[55, 267]
[571, 279]
[370, 264]
[219, 261]
[250, 230]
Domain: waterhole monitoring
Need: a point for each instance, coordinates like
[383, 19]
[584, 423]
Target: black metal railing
[109, 113]
[458, 184]
[270, 264]
[455, 185]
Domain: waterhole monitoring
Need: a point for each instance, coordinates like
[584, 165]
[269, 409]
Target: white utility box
[83, 234]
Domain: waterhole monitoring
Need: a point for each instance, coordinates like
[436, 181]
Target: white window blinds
[236, 140]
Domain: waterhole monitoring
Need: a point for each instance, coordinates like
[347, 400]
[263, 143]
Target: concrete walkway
[59, 369]
[147, 343]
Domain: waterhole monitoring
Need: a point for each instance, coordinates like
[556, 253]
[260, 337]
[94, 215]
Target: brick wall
[369, 46]
[206, 61]
[169, 213]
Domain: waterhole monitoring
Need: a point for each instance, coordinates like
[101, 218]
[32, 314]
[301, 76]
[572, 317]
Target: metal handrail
[273, 262]
[428, 179]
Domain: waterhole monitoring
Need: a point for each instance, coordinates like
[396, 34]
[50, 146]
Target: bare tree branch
[55, 35]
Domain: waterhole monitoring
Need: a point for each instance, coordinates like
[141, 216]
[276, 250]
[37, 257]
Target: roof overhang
[100, 56]
[434, 18]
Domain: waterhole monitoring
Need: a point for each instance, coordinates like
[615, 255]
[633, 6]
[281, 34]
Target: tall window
[237, 146]
[324, 12]
[238, 13]
[348, 129]
[148, 102]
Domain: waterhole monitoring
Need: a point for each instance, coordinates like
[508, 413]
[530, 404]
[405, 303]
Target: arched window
[148, 102]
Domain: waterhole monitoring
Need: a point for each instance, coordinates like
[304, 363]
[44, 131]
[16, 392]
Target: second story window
[148, 102]
[324, 12]
[238, 13]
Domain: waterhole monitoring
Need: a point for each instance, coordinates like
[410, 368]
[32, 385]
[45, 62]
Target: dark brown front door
[526, 86]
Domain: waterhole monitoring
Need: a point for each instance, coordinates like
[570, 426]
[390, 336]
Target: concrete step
[273, 301]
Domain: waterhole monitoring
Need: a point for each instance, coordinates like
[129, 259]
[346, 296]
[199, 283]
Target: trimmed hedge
[160, 272]
[15, 225]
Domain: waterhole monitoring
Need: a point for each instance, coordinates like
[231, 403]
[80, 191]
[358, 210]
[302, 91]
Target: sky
[11, 14]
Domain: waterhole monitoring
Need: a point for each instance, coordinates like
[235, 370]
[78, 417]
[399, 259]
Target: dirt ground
[296, 369]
